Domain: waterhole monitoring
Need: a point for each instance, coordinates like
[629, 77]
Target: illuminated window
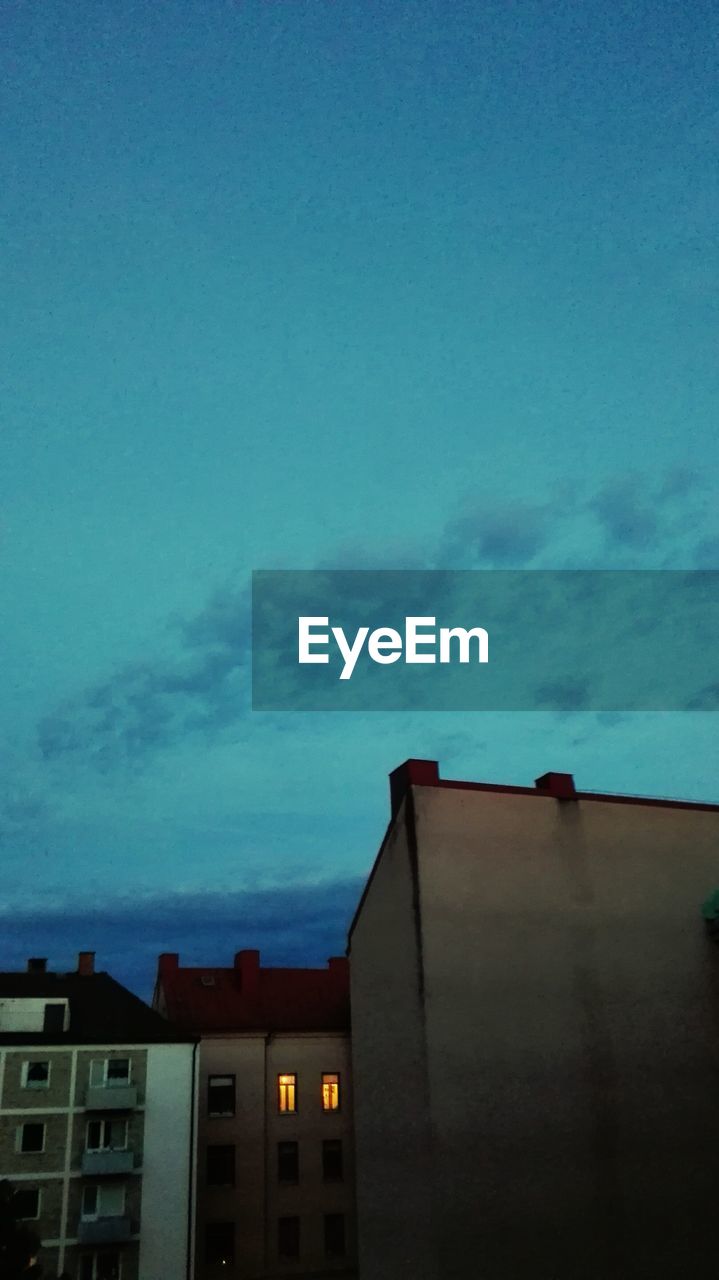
[220, 1244]
[330, 1091]
[287, 1092]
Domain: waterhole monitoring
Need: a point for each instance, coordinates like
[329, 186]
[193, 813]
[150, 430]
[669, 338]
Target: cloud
[290, 925]
[495, 534]
[625, 513]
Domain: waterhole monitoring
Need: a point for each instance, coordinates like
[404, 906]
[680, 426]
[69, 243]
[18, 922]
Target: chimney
[167, 963]
[37, 964]
[558, 785]
[247, 965]
[417, 773]
[86, 963]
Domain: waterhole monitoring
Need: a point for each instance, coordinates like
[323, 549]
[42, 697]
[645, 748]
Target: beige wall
[256, 1201]
[572, 1037]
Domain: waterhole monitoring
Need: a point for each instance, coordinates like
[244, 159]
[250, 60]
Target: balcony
[115, 1097]
[106, 1162]
[104, 1230]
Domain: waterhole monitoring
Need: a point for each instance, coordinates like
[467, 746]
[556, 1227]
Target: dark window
[32, 1137]
[221, 1166]
[332, 1160]
[54, 1017]
[107, 1266]
[219, 1244]
[335, 1235]
[26, 1202]
[221, 1096]
[288, 1237]
[37, 1075]
[288, 1162]
[118, 1070]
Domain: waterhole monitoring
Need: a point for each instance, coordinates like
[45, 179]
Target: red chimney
[417, 773]
[247, 965]
[558, 785]
[86, 963]
[168, 962]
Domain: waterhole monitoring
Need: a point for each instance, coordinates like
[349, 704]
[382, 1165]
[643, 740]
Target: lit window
[31, 1137]
[221, 1095]
[35, 1075]
[220, 1244]
[288, 1237]
[26, 1202]
[287, 1092]
[330, 1091]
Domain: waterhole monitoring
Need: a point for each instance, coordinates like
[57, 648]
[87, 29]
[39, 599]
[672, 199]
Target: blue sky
[290, 283]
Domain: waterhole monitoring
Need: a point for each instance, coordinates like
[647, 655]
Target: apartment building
[275, 1184]
[535, 1016]
[96, 1128]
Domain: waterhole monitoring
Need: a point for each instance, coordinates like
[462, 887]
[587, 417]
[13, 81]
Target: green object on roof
[710, 909]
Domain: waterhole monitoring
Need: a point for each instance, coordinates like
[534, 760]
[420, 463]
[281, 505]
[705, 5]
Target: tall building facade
[96, 1127]
[535, 1012]
[275, 1178]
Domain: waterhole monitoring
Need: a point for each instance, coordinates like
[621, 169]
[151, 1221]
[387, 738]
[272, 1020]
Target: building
[275, 1178]
[96, 1095]
[535, 1013]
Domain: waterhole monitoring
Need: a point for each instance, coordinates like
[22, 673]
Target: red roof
[248, 997]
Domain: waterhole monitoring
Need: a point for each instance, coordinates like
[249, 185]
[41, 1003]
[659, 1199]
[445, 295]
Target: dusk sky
[299, 283]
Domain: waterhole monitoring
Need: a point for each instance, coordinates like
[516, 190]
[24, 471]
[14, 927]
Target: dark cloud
[292, 925]
[706, 554]
[626, 513]
[495, 534]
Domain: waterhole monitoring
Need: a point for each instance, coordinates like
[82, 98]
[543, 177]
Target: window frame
[287, 1143]
[332, 1077]
[287, 1080]
[105, 1082]
[32, 1084]
[223, 1075]
[225, 1147]
[19, 1133]
[297, 1253]
[219, 1262]
[340, 1218]
[327, 1144]
[93, 1257]
[98, 1188]
[105, 1120]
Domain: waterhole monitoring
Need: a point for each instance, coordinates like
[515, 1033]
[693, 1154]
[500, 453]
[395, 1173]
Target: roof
[248, 997]
[102, 1011]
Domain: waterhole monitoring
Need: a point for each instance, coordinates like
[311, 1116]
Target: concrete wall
[166, 1186]
[392, 1130]
[572, 1037]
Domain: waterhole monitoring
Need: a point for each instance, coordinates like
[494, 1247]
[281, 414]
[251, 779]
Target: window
[31, 1137]
[103, 1200]
[221, 1095]
[330, 1091]
[288, 1162]
[288, 1237]
[54, 1017]
[220, 1244]
[26, 1202]
[221, 1166]
[287, 1093]
[113, 1072]
[335, 1235]
[100, 1266]
[35, 1075]
[332, 1160]
[106, 1135]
